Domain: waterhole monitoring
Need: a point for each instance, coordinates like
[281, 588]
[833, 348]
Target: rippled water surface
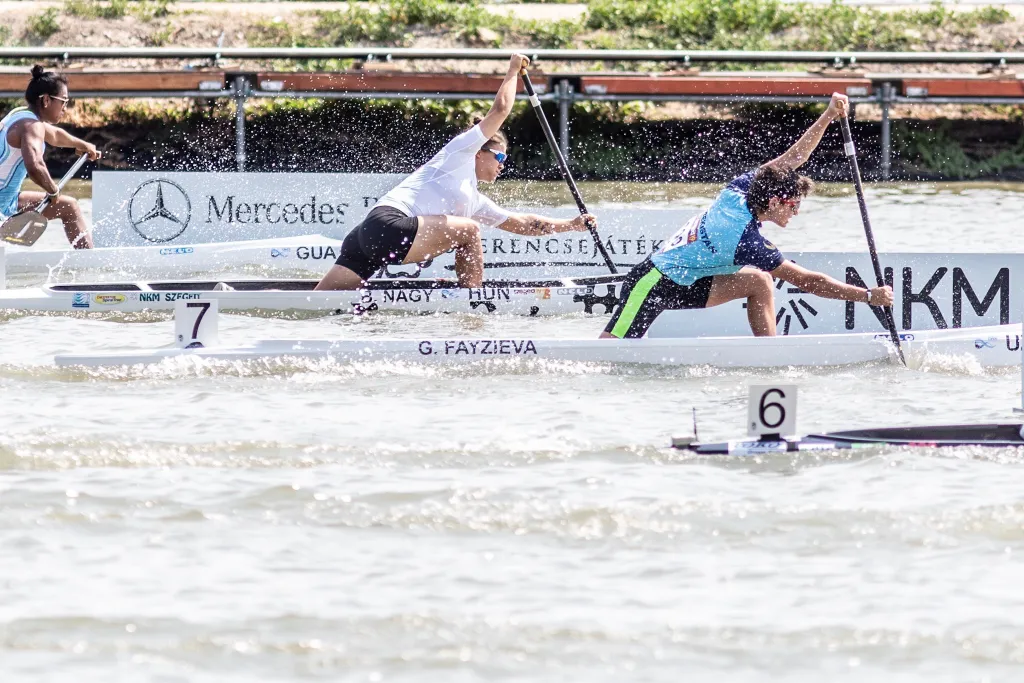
[286, 521]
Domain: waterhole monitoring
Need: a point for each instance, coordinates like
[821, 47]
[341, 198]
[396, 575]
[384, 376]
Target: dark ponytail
[496, 140]
[43, 83]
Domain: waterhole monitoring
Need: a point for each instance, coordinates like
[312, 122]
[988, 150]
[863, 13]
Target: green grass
[44, 24]
[701, 24]
[145, 10]
[94, 9]
[771, 24]
[395, 23]
[663, 24]
[161, 36]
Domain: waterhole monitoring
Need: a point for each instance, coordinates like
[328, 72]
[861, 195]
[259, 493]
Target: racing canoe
[985, 435]
[312, 253]
[590, 294]
[995, 346]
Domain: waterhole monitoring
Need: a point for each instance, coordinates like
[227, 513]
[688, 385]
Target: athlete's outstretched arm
[530, 224]
[800, 152]
[506, 96]
[827, 287]
[58, 137]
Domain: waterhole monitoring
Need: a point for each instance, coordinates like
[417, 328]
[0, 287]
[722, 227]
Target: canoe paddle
[851, 154]
[563, 166]
[25, 227]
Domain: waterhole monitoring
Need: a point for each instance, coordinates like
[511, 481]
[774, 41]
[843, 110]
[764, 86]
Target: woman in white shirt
[438, 208]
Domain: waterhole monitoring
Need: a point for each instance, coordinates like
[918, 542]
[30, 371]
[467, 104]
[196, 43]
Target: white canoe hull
[539, 297]
[996, 346]
[932, 290]
[181, 260]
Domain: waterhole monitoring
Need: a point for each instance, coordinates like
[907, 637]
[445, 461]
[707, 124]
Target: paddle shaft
[851, 155]
[63, 181]
[563, 166]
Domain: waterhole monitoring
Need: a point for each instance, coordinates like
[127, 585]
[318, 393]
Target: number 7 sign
[195, 323]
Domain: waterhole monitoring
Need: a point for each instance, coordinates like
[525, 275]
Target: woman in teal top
[24, 134]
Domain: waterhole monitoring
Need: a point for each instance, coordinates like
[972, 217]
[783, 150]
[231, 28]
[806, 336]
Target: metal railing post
[565, 98]
[240, 88]
[885, 97]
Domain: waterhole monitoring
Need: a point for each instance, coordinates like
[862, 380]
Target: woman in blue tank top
[24, 134]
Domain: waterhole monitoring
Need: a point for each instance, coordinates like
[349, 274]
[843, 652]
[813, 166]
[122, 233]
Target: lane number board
[195, 323]
[771, 409]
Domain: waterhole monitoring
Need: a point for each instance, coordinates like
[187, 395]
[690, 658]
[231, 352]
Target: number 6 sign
[771, 410]
[195, 323]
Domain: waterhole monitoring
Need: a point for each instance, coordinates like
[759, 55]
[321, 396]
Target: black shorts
[646, 292]
[383, 238]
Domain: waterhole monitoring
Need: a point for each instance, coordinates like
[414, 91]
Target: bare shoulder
[31, 127]
[25, 130]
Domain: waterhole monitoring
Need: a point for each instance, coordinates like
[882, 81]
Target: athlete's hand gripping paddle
[26, 227]
[563, 166]
[851, 154]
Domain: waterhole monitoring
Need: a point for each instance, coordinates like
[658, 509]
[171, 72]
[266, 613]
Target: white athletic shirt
[446, 185]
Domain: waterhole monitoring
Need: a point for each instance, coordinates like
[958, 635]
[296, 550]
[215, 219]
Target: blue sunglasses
[500, 156]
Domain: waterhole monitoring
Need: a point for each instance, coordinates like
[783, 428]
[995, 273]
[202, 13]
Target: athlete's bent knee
[762, 283]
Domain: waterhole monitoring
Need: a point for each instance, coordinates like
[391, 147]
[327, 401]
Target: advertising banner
[172, 209]
[933, 291]
[139, 209]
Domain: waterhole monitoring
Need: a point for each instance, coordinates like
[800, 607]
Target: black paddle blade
[24, 228]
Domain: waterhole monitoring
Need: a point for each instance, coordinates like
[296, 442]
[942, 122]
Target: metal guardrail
[563, 94]
[390, 54]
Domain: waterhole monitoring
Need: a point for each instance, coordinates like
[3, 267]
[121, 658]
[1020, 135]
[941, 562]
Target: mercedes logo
[159, 210]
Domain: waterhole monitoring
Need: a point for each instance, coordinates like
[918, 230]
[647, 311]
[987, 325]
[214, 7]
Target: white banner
[933, 291]
[137, 209]
[629, 236]
[165, 209]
